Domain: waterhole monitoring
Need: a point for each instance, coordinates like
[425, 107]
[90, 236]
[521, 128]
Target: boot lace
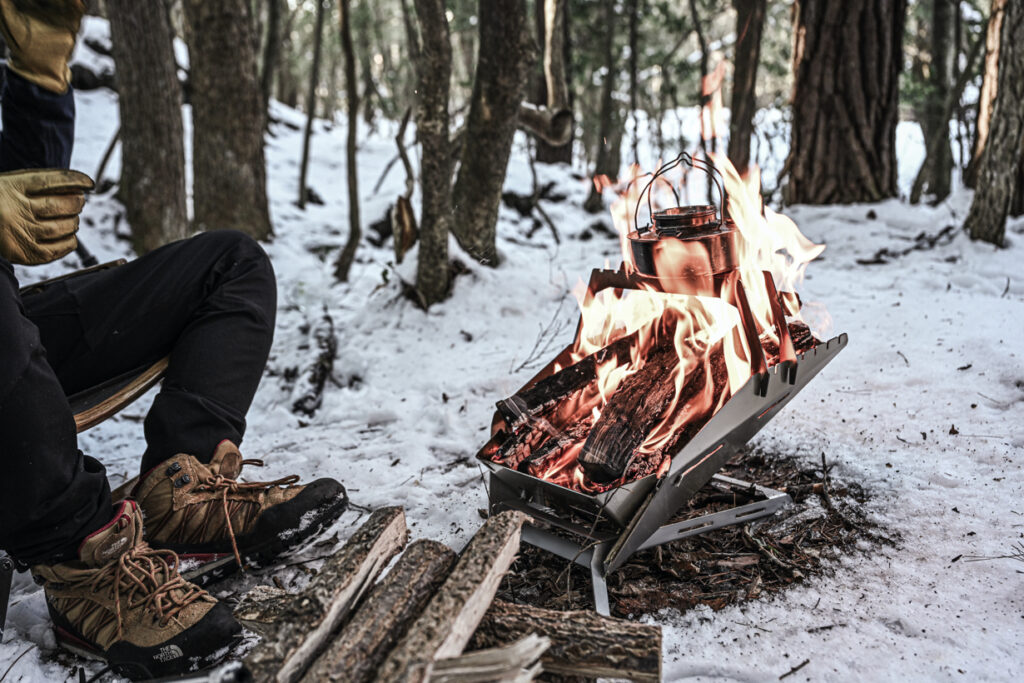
[143, 577]
[218, 482]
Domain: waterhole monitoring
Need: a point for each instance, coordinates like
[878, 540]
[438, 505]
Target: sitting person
[110, 570]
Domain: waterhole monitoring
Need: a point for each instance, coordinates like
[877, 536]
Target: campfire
[681, 355]
[703, 302]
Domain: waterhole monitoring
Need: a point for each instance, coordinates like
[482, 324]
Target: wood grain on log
[517, 410]
[513, 663]
[451, 617]
[582, 643]
[632, 411]
[385, 616]
[297, 627]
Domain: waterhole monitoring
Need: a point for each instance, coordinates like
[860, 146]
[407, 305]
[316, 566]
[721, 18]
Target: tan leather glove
[39, 214]
[41, 36]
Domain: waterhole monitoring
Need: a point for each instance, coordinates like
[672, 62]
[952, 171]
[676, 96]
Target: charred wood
[633, 411]
[311, 396]
[517, 410]
[449, 620]
[385, 617]
[297, 627]
[582, 643]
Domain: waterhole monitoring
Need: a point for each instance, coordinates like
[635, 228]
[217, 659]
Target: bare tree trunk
[348, 254]
[608, 153]
[935, 125]
[997, 169]
[505, 57]
[749, 26]
[229, 171]
[989, 88]
[433, 77]
[314, 77]
[271, 51]
[553, 91]
[633, 8]
[152, 148]
[847, 60]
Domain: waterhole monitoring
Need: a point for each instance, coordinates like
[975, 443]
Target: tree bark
[582, 643]
[271, 51]
[451, 617]
[296, 628]
[935, 122]
[152, 148]
[348, 254]
[633, 10]
[847, 60]
[609, 138]
[553, 91]
[505, 57]
[314, 77]
[749, 26]
[361, 646]
[989, 87]
[433, 77]
[229, 171]
[997, 169]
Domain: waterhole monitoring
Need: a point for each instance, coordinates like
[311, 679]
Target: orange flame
[705, 330]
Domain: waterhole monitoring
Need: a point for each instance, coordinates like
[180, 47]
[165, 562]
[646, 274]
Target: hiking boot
[124, 602]
[217, 523]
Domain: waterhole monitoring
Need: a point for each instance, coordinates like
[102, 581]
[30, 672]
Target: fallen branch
[316, 378]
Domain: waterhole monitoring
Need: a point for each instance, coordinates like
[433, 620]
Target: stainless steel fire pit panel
[727, 432]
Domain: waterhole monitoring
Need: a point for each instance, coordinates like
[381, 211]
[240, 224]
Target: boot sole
[216, 566]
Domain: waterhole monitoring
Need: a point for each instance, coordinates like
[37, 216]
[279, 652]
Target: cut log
[515, 663]
[385, 617]
[632, 412]
[553, 447]
[451, 617]
[297, 627]
[519, 409]
[692, 414]
[582, 643]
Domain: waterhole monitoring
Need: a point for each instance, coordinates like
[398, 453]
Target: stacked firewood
[416, 622]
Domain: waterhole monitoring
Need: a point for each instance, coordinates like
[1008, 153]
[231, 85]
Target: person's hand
[41, 36]
[39, 214]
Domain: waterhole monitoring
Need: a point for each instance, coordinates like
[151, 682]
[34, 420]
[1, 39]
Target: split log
[385, 617]
[517, 410]
[451, 617]
[297, 627]
[633, 411]
[582, 643]
[515, 663]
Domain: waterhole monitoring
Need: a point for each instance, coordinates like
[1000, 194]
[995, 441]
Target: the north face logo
[167, 653]
[114, 548]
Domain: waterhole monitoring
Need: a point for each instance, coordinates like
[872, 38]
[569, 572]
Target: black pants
[209, 302]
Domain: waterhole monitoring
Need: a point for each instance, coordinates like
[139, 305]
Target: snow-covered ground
[925, 408]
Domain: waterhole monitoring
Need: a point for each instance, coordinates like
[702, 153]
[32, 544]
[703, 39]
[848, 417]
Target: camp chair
[90, 407]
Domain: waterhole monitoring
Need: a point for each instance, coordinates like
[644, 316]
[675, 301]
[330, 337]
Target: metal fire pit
[601, 531]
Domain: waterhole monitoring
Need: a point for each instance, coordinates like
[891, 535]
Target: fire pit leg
[600, 584]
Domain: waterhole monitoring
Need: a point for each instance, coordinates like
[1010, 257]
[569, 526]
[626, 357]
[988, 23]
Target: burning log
[297, 627]
[634, 410]
[378, 624]
[573, 434]
[451, 617]
[519, 409]
[582, 643]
